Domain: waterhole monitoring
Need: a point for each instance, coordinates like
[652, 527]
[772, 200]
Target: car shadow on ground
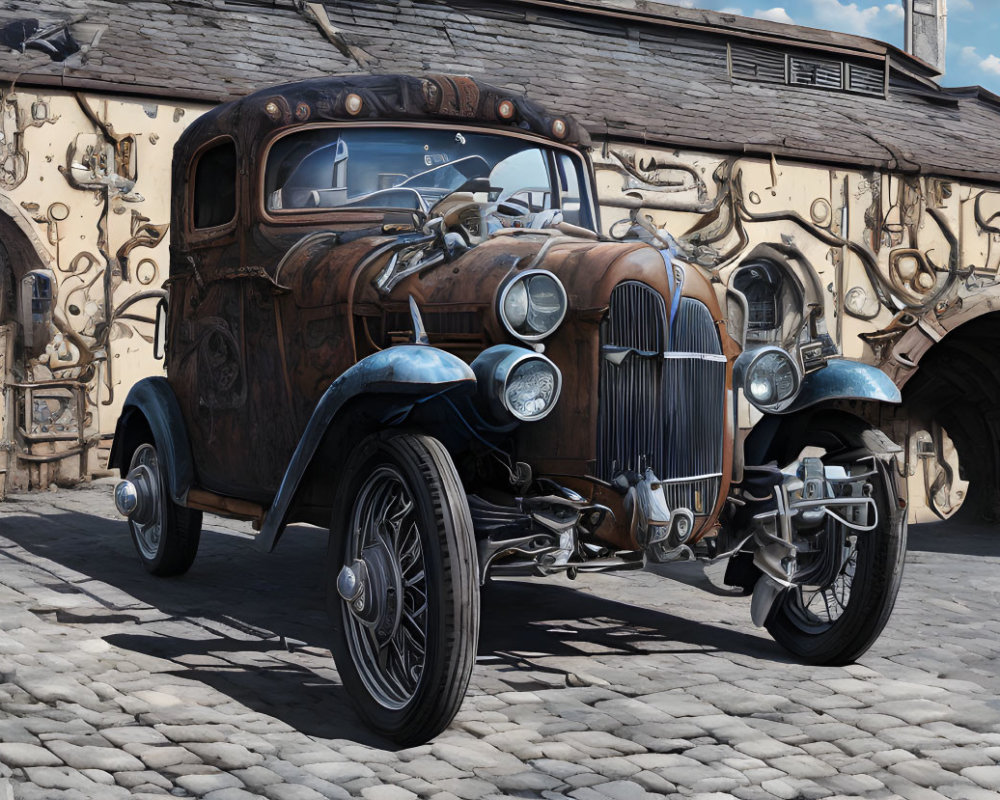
[250, 609]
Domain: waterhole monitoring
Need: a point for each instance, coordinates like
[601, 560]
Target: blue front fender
[411, 371]
[842, 379]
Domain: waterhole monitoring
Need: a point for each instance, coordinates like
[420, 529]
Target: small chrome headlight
[770, 377]
[515, 382]
[532, 388]
[532, 305]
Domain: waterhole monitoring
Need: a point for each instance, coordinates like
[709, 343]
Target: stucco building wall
[85, 202]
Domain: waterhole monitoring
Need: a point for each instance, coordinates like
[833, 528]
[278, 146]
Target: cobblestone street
[218, 684]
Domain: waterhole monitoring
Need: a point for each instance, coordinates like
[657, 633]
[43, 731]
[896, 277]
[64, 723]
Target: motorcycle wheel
[835, 624]
[406, 645]
[167, 536]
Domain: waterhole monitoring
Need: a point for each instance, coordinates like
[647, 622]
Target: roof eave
[718, 23]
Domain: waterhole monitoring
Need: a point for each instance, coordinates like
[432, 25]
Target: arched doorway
[29, 456]
[954, 400]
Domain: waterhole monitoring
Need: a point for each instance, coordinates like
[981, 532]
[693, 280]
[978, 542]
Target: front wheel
[402, 594]
[836, 623]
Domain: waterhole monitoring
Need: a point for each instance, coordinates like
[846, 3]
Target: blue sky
[973, 54]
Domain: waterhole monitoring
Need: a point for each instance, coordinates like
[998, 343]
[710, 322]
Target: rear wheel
[165, 535]
[403, 595]
[837, 622]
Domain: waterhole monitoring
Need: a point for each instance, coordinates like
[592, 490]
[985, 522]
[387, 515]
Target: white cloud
[777, 14]
[895, 10]
[961, 5]
[848, 17]
[731, 10]
[989, 64]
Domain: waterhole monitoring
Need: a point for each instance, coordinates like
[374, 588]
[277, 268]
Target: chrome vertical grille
[662, 397]
[639, 319]
[631, 422]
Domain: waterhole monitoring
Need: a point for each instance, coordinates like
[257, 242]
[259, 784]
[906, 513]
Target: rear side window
[215, 186]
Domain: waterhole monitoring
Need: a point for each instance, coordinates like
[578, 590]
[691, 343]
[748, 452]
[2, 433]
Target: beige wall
[84, 178]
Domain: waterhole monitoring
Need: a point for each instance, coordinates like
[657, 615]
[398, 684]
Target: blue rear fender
[151, 410]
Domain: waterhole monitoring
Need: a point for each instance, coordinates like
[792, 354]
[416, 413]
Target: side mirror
[160, 330]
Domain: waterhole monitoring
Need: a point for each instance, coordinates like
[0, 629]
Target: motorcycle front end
[815, 528]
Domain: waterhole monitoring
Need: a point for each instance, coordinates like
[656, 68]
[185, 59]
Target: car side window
[569, 185]
[215, 186]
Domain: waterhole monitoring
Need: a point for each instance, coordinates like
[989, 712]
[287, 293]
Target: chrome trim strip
[696, 356]
[690, 478]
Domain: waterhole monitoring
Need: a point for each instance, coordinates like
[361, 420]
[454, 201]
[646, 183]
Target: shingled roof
[628, 69]
[210, 50]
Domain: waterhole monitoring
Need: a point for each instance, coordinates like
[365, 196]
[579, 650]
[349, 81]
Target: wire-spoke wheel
[384, 531]
[165, 535]
[837, 622]
[815, 608]
[402, 596]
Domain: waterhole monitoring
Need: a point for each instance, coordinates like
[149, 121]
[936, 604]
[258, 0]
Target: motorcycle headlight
[533, 305]
[769, 376]
[515, 382]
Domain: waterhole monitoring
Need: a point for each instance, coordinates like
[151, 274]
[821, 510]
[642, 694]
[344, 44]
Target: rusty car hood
[323, 271]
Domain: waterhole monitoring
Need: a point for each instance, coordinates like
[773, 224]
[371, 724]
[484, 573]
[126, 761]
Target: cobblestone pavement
[217, 684]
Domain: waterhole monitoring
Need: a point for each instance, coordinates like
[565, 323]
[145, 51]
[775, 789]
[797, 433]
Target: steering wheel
[461, 214]
[512, 213]
[475, 221]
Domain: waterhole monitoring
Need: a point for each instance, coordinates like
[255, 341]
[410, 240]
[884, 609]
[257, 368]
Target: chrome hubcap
[136, 496]
[384, 589]
[126, 498]
[146, 519]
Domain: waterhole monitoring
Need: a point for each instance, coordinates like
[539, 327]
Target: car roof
[374, 98]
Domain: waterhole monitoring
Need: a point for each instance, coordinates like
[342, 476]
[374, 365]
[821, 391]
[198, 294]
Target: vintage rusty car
[391, 314]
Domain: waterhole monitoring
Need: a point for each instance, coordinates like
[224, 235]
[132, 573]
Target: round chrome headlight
[532, 388]
[533, 305]
[769, 376]
[515, 382]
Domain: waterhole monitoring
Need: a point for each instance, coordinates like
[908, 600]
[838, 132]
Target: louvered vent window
[758, 63]
[813, 72]
[866, 80]
[773, 65]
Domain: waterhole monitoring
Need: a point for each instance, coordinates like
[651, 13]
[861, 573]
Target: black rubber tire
[179, 537]
[879, 569]
[453, 610]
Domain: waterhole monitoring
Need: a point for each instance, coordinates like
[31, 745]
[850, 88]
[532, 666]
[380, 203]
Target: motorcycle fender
[409, 371]
[152, 402]
[842, 379]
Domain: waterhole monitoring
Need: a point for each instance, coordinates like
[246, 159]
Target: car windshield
[414, 168]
